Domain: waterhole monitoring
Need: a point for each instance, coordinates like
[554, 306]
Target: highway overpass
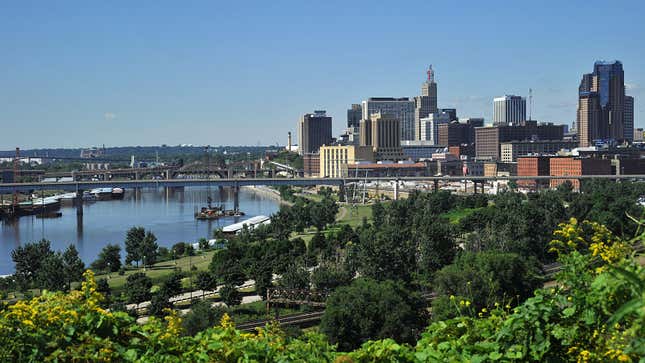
[6, 188]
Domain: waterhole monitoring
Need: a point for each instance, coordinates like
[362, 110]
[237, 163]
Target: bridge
[6, 188]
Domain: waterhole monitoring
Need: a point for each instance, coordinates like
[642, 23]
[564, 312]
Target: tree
[103, 287]
[436, 243]
[72, 265]
[51, 274]
[109, 259]
[28, 260]
[201, 316]
[172, 285]
[230, 296]
[262, 274]
[368, 309]
[296, 278]
[149, 249]
[205, 281]
[483, 279]
[386, 254]
[137, 287]
[133, 241]
[329, 277]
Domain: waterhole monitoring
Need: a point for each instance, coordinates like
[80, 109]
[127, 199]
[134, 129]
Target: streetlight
[144, 263]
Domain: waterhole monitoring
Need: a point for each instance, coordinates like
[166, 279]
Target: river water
[169, 214]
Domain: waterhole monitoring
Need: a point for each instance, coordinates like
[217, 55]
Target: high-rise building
[452, 113]
[334, 159]
[400, 108]
[430, 126]
[314, 130]
[458, 133]
[354, 116]
[601, 104]
[383, 132]
[509, 110]
[488, 139]
[426, 103]
[629, 118]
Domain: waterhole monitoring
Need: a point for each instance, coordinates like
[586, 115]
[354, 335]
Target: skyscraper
[629, 118]
[383, 133]
[601, 104]
[509, 110]
[430, 126]
[426, 103]
[400, 108]
[314, 130]
[354, 115]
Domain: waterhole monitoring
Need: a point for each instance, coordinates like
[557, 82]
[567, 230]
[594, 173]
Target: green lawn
[159, 271]
[455, 215]
[353, 215]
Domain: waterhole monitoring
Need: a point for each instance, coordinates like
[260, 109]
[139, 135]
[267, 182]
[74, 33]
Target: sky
[121, 73]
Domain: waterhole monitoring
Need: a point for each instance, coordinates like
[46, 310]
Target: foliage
[109, 259]
[138, 287]
[368, 309]
[205, 281]
[230, 296]
[133, 241]
[480, 280]
[200, 317]
[28, 260]
[73, 266]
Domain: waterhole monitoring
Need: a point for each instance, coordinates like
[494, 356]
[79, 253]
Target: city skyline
[82, 76]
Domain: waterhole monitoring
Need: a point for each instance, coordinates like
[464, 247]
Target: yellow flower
[467, 303]
[452, 297]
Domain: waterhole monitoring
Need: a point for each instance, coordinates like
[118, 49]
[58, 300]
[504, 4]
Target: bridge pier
[229, 173]
[167, 174]
[79, 203]
[236, 198]
[396, 190]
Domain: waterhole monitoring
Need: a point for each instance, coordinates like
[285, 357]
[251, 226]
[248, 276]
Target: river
[168, 214]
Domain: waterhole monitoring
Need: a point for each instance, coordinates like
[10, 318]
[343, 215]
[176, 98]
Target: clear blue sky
[82, 73]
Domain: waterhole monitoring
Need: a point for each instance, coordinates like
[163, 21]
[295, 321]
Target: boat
[67, 198]
[88, 197]
[50, 215]
[102, 193]
[209, 213]
[117, 193]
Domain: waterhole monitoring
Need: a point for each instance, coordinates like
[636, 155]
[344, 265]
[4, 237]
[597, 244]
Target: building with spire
[425, 104]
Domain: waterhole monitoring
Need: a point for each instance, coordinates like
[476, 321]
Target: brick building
[569, 166]
[533, 166]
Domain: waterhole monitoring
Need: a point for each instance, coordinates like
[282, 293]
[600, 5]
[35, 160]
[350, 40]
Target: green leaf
[495, 355]
[628, 307]
[569, 311]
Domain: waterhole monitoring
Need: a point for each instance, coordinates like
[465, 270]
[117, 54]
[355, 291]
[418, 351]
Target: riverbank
[267, 192]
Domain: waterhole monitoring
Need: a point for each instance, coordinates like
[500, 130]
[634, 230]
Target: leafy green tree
[369, 309]
[329, 277]
[437, 246]
[386, 254]
[137, 287]
[296, 277]
[109, 259]
[262, 274]
[103, 287]
[73, 265]
[179, 249]
[483, 279]
[133, 242]
[201, 316]
[205, 281]
[28, 260]
[230, 296]
[159, 303]
[172, 285]
[149, 249]
[51, 274]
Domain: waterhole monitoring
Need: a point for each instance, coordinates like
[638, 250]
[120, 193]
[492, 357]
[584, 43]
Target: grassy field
[455, 215]
[353, 215]
[159, 271]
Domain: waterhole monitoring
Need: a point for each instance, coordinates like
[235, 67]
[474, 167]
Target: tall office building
[509, 110]
[383, 132]
[426, 103]
[400, 108]
[601, 104]
[629, 118]
[314, 130]
[354, 115]
[430, 126]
